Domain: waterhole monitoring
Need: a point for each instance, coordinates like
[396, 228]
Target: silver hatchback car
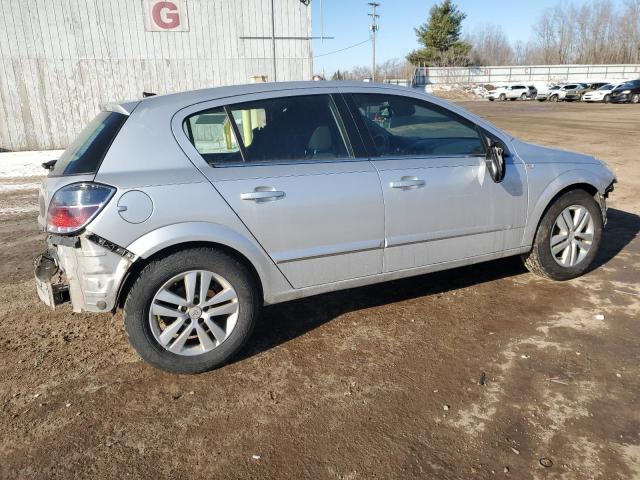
[191, 211]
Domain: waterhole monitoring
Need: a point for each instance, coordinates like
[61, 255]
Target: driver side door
[441, 204]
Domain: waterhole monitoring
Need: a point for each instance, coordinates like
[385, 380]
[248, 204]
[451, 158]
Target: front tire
[606, 98]
[191, 311]
[568, 237]
[635, 98]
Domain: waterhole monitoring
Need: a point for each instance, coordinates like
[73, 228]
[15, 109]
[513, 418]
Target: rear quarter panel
[146, 157]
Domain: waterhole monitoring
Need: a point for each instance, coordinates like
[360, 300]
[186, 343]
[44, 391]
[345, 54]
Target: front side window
[298, 128]
[402, 126]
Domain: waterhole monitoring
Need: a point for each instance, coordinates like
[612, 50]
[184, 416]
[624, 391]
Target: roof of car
[206, 94]
[261, 87]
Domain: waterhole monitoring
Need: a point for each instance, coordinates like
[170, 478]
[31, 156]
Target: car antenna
[148, 94]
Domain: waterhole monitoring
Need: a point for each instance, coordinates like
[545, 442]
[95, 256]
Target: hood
[532, 153]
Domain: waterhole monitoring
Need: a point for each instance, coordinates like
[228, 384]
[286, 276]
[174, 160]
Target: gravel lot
[376, 382]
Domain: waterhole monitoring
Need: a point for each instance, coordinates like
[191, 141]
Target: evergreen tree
[441, 38]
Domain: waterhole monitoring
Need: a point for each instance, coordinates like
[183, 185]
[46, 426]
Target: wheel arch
[172, 238]
[573, 180]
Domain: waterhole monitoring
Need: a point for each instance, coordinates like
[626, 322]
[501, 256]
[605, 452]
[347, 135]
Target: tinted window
[407, 127]
[212, 134]
[86, 152]
[291, 128]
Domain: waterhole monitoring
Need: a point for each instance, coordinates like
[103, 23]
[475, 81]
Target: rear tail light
[74, 206]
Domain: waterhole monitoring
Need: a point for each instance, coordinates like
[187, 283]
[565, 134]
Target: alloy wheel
[193, 312]
[572, 236]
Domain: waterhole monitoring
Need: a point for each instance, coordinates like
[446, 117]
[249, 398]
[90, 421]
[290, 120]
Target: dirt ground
[376, 382]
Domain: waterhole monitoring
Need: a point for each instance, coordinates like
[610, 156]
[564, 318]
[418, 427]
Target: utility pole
[273, 43]
[374, 28]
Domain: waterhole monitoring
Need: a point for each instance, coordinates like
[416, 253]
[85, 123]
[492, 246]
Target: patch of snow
[26, 164]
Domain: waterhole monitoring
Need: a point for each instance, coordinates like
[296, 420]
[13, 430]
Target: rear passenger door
[288, 168]
[441, 204]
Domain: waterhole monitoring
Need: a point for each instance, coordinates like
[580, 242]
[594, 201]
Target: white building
[61, 59]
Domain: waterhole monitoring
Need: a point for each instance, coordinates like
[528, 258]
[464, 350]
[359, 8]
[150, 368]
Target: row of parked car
[626, 92]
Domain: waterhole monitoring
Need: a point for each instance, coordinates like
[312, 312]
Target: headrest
[320, 140]
[401, 107]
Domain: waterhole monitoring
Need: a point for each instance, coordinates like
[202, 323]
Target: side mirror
[49, 165]
[495, 161]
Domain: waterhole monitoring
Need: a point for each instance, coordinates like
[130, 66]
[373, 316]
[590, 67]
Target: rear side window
[402, 126]
[87, 151]
[213, 136]
[297, 128]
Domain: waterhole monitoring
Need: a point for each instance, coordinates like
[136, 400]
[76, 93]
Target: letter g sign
[164, 15]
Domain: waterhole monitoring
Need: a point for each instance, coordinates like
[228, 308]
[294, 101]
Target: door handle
[262, 195]
[408, 182]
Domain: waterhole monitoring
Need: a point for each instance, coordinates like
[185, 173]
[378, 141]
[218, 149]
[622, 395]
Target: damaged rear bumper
[86, 270]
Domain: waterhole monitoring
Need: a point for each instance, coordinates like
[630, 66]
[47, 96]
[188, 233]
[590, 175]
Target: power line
[343, 49]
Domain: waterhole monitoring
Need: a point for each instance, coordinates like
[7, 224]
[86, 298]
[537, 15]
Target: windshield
[86, 152]
[630, 84]
[606, 87]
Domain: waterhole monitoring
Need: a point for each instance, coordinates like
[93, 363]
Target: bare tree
[490, 46]
[628, 27]
[597, 32]
[394, 68]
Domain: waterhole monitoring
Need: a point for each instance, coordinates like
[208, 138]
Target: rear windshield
[86, 152]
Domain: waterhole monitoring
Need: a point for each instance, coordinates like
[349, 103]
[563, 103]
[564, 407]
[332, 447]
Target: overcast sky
[347, 21]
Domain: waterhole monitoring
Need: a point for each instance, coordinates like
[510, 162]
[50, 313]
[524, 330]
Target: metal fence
[61, 59]
[527, 73]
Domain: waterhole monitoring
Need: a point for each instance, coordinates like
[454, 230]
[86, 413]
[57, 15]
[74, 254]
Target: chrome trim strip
[432, 237]
[329, 252]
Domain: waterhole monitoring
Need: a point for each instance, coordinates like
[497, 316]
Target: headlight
[626, 91]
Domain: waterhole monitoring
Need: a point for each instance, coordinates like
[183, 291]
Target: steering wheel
[381, 142]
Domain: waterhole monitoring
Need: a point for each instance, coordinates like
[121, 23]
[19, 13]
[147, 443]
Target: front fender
[157, 240]
[562, 181]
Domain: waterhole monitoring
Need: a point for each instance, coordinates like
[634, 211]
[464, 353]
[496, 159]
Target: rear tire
[226, 332]
[553, 98]
[542, 261]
